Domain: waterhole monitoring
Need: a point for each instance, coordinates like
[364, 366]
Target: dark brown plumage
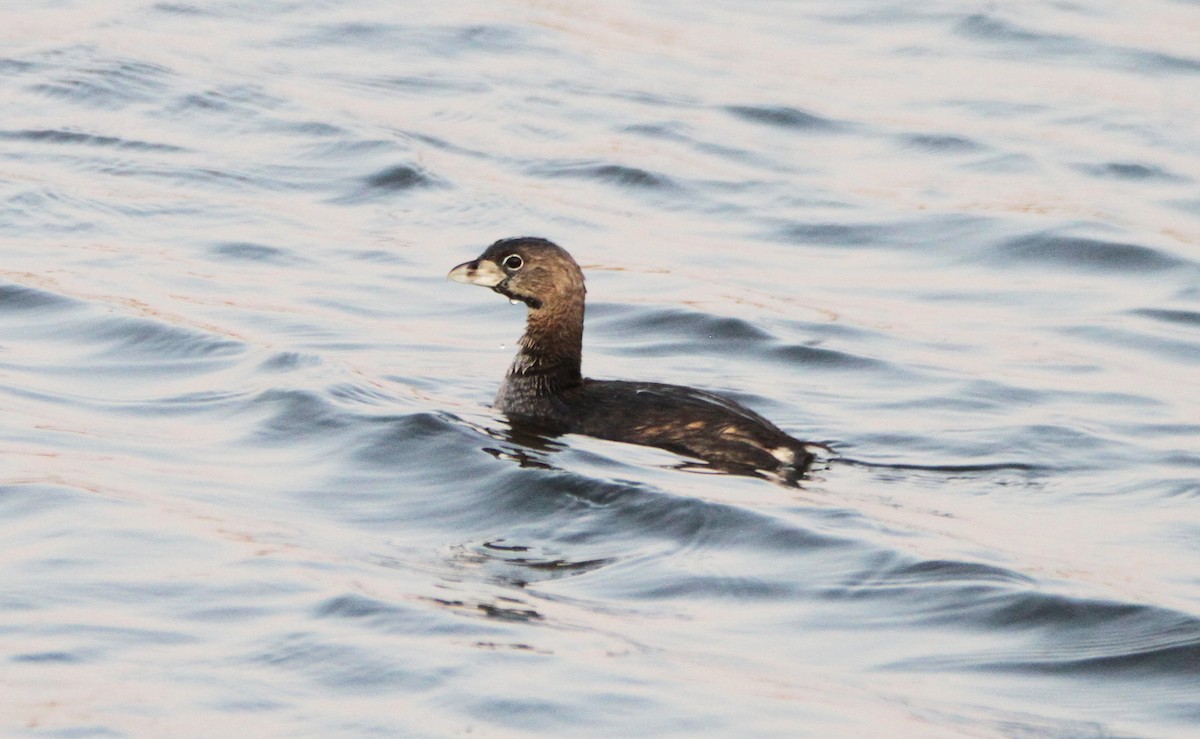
[544, 387]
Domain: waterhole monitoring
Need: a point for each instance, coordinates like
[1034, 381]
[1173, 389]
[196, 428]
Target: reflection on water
[249, 481]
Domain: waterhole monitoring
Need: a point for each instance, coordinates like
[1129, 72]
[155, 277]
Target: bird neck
[549, 353]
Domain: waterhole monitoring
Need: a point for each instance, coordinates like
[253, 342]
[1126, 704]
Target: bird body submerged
[545, 388]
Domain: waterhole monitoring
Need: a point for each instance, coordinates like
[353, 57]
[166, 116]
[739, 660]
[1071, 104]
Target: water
[249, 482]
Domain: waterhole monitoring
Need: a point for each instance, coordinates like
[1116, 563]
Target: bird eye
[513, 262]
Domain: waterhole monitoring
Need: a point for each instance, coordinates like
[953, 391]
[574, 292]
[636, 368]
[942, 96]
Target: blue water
[250, 484]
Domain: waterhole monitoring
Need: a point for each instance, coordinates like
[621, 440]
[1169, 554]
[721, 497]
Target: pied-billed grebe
[544, 387]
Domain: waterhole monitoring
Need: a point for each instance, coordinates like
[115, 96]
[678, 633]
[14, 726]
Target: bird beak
[486, 274]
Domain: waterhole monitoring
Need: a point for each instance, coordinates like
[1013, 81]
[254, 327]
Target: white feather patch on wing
[784, 455]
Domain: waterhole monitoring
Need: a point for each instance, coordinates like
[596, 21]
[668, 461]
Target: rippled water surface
[250, 483]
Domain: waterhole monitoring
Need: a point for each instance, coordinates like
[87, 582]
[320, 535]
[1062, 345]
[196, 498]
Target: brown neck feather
[552, 345]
